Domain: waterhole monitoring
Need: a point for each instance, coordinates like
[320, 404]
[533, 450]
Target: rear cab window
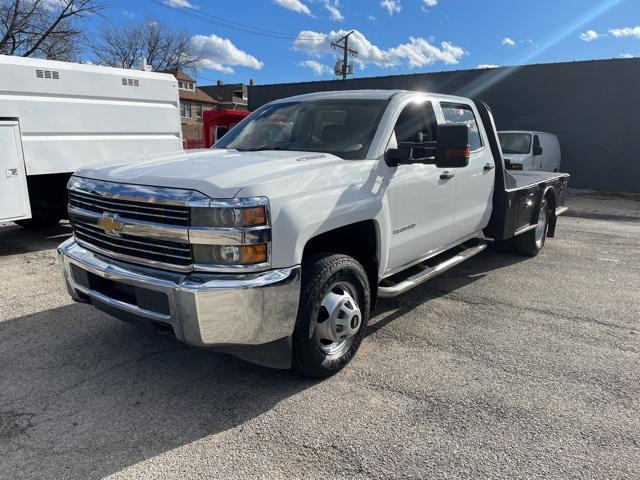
[460, 113]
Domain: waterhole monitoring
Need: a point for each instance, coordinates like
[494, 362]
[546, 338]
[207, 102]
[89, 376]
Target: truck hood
[217, 173]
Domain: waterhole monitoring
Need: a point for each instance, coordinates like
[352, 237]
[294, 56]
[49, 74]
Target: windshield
[515, 142]
[344, 128]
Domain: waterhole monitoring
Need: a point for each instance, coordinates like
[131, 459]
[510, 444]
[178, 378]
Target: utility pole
[343, 68]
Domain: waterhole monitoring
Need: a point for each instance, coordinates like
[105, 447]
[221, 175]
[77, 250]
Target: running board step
[389, 291]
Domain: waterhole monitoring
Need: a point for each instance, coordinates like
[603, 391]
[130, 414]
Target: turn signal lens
[458, 152]
[516, 166]
[250, 254]
[254, 216]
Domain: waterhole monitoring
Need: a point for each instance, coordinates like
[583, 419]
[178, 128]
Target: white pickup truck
[274, 245]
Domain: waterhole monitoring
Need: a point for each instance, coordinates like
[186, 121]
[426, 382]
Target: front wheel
[332, 317]
[531, 242]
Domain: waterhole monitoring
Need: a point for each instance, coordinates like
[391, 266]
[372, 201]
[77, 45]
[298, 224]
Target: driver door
[421, 197]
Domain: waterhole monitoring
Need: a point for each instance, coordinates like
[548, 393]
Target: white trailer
[56, 117]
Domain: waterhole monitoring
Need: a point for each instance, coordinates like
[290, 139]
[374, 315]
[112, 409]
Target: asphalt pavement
[504, 367]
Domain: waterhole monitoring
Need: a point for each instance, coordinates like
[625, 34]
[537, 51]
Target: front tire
[531, 242]
[332, 317]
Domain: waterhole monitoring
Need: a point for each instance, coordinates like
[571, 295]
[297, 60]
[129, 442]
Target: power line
[236, 26]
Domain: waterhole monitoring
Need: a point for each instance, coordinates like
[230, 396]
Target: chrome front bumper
[208, 310]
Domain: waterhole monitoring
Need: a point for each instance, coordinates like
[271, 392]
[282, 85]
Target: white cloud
[317, 67]
[53, 4]
[508, 42]
[486, 65]
[221, 54]
[333, 7]
[128, 14]
[371, 18]
[590, 36]
[179, 3]
[418, 52]
[627, 55]
[430, 3]
[392, 6]
[294, 5]
[625, 32]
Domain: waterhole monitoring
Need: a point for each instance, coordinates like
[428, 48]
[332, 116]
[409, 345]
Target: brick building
[232, 96]
[193, 102]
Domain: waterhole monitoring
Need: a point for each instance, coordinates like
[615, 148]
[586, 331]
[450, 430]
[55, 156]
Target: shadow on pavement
[84, 396]
[458, 277]
[15, 240]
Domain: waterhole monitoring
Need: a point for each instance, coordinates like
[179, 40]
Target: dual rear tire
[531, 243]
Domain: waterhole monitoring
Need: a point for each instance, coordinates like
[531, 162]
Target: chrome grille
[149, 212]
[128, 247]
[134, 223]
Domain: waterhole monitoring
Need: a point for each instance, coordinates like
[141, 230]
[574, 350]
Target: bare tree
[43, 28]
[162, 47]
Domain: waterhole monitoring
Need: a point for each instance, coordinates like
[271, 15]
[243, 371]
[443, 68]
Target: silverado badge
[110, 224]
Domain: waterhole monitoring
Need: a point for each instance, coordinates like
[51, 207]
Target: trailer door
[14, 196]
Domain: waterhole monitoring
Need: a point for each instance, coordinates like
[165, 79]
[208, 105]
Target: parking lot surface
[504, 367]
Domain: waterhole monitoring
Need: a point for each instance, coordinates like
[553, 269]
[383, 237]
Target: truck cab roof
[365, 95]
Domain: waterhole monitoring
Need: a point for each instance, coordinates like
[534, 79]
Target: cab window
[416, 123]
[460, 113]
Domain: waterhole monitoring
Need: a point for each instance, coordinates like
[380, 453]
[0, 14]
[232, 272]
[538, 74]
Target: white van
[530, 150]
[56, 117]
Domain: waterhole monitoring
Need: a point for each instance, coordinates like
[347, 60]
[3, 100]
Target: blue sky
[392, 36]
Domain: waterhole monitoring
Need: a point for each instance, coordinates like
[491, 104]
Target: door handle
[447, 175]
[11, 172]
[489, 166]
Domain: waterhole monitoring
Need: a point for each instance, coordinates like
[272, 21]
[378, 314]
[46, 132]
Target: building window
[199, 110]
[185, 110]
[186, 85]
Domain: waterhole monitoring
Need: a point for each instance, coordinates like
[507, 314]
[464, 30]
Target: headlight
[229, 217]
[231, 235]
[226, 255]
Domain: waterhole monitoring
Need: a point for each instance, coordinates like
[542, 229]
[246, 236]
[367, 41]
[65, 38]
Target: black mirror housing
[453, 146]
[537, 150]
[397, 156]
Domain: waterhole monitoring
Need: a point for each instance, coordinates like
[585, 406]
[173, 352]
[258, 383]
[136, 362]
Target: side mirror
[537, 150]
[453, 146]
[398, 156]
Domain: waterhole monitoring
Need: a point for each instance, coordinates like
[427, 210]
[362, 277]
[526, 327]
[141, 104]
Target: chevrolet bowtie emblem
[110, 224]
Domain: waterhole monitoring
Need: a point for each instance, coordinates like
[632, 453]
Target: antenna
[343, 67]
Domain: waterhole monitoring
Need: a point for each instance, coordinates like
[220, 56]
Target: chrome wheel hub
[541, 227]
[339, 319]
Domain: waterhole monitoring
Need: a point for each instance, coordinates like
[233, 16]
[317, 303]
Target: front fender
[304, 206]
